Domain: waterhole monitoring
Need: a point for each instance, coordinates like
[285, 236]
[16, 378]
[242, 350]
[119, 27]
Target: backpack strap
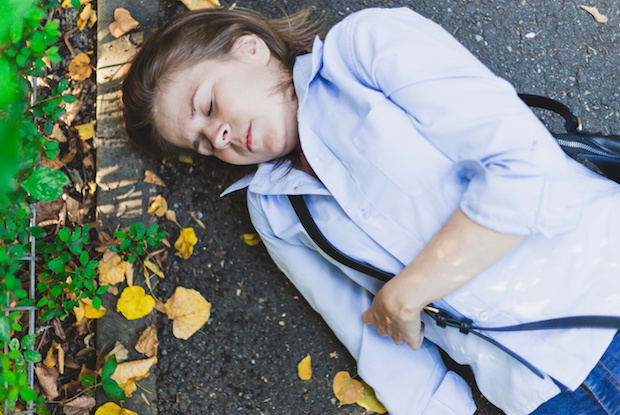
[442, 317]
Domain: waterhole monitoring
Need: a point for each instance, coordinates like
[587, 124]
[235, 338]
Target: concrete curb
[122, 197]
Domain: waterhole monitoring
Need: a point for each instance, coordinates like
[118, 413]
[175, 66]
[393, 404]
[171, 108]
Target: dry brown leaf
[48, 377]
[123, 23]
[198, 221]
[50, 358]
[159, 306]
[201, 4]
[68, 158]
[148, 342]
[154, 268]
[152, 178]
[598, 16]
[189, 310]
[58, 135]
[52, 164]
[347, 390]
[171, 216]
[79, 67]
[304, 368]
[129, 273]
[85, 131]
[119, 351]
[79, 406]
[158, 206]
[112, 269]
[127, 373]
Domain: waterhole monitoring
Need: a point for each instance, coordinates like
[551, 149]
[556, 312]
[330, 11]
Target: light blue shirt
[403, 126]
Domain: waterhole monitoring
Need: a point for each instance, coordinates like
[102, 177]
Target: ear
[251, 47]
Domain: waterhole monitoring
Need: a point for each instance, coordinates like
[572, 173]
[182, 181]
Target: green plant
[13, 376]
[136, 241]
[70, 274]
[110, 386]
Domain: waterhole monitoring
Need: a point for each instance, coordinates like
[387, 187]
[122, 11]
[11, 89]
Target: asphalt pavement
[244, 359]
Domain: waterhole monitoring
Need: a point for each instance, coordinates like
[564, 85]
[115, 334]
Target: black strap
[571, 122]
[442, 317]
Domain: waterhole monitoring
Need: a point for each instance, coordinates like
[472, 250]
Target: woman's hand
[396, 312]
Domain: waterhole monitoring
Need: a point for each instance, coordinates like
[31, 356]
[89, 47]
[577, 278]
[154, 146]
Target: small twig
[66, 37]
[144, 389]
[198, 221]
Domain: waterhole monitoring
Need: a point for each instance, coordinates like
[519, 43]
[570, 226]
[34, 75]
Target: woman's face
[230, 108]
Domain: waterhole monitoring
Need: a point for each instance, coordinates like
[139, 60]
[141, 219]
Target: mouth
[248, 138]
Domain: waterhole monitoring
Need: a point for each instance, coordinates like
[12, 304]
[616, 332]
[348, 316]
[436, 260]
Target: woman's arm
[460, 250]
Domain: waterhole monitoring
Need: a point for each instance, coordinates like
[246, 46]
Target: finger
[367, 317]
[397, 339]
[416, 343]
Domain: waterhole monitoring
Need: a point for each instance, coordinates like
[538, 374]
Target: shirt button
[364, 213]
[484, 316]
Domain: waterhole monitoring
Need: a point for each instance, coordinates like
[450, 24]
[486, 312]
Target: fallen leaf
[79, 406]
[85, 309]
[198, 221]
[58, 135]
[154, 268]
[112, 269]
[129, 273]
[369, 401]
[188, 310]
[110, 408]
[79, 67]
[251, 239]
[85, 131]
[50, 358]
[92, 188]
[158, 206]
[148, 342]
[304, 368]
[159, 306]
[68, 158]
[48, 378]
[185, 243]
[66, 4]
[127, 373]
[123, 23]
[333, 355]
[87, 15]
[186, 158]
[601, 18]
[152, 178]
[119, 351]
[61, 358]
[201, 4]
[171, 216]
[52, 164]
[347, 390]
[134, 303]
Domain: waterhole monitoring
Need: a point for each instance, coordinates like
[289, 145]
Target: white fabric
[403, 125]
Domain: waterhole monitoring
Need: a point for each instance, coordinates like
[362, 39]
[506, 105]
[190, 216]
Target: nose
[218, 134]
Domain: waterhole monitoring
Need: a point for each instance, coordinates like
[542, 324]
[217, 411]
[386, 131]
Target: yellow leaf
[158, 206]
[119, 351]
[154, 268]
[601, 18]
[189, 310]
[111, 408]
[123, 23]
[85, 16]
[90, 311]
[370, 401]
[185, 243]
[251, 239]
[111, 269]
[127, 373]
[347, 390]
[304, 368]
[148, 342]
[92, 188]
[79, 67]
[86, 131]
[186, 158]
[201, 4]
[92, 20]
[50, 358]
[152, 178]
[134, 303]
[68, 158]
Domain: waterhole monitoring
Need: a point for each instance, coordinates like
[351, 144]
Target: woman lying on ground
[413, 157]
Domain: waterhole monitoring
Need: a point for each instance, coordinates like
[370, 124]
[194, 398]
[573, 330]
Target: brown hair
[193, 37]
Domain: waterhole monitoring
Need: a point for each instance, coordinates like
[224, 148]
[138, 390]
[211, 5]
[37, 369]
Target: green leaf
[64, 234]
[32, 356]
[36, 231]
[5, 328]
[27, 394]
[62, 85]
[102, 290]
[96, 303]
[56, 291]
[109, 367]
[28, 341]
[42, 302]
[111, 388]
[56, 265]
[45, 184]
[125, 244]
[132, 258]
[20, 293]
[139, 229]
[76, 4]
[84, 258]
[48, 315]
[87, 380]
[68, 98]
[152, 229]
[17, 29]
[120, 235]
[14, 344]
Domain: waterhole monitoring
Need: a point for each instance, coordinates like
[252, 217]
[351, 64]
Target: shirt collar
[269, 179]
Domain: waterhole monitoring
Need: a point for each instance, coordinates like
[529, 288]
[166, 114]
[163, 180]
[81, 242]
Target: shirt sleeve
[467, 113]
[406, 381]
